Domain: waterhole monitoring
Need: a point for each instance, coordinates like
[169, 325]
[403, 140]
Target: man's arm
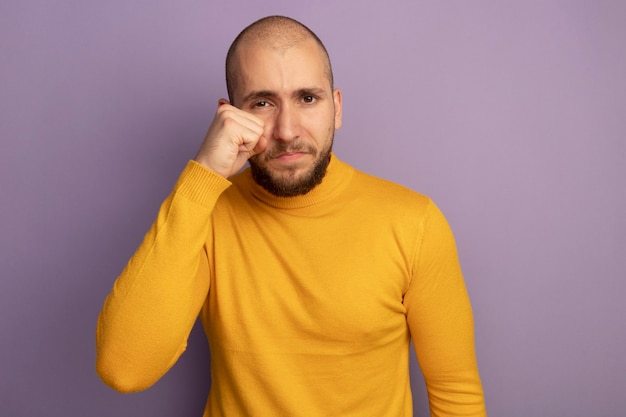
[441, 324]
[146, 319]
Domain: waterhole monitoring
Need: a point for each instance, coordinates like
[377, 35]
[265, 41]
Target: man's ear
[338, 111]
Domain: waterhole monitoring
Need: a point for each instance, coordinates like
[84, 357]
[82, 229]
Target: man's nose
[286, 124]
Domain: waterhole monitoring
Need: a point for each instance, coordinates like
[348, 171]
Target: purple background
[511, 116]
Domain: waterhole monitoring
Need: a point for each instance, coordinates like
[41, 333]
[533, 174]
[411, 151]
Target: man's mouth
[289, 156]
[284, 153]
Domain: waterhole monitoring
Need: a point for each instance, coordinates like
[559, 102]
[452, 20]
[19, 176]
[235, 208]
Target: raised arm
[146, 319]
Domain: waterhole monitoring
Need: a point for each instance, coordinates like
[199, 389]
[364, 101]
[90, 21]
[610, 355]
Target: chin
[290, 183]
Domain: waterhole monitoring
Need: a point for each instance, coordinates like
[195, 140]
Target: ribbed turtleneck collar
[338, 175]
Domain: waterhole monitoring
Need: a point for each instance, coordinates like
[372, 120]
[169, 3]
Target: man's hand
[233, 137]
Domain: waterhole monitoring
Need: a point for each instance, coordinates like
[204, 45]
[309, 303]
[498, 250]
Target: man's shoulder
[387, 191]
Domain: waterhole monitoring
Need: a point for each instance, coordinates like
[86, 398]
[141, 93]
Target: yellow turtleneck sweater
[308, 302]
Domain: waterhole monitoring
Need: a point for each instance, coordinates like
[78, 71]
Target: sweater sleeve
[146, 319]
[441, 323]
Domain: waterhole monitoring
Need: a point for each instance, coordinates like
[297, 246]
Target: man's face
[290, 91]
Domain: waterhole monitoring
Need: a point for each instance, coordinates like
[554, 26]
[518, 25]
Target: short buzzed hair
[276, 31]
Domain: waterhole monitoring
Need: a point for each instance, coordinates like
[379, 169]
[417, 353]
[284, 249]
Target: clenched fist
[233, 137]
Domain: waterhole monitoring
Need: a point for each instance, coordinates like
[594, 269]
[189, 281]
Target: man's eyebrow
[256, 95]
[265, 94]
[311, 91]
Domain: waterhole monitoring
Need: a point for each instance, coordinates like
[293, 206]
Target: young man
[310, 277]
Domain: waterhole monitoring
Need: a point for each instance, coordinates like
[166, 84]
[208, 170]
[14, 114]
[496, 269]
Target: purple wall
[512, 117]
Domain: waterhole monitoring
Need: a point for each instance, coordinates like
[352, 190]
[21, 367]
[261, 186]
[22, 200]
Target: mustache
[291, 147]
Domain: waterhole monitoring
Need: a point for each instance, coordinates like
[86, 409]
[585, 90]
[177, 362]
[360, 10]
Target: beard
[289, 184]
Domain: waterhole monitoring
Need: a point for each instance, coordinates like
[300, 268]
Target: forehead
[260, 66]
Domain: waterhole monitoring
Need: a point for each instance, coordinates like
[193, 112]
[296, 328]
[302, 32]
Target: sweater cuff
[200, 185]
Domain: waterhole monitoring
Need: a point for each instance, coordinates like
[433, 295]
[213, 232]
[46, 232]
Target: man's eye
[308, 99]
[261, 104]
